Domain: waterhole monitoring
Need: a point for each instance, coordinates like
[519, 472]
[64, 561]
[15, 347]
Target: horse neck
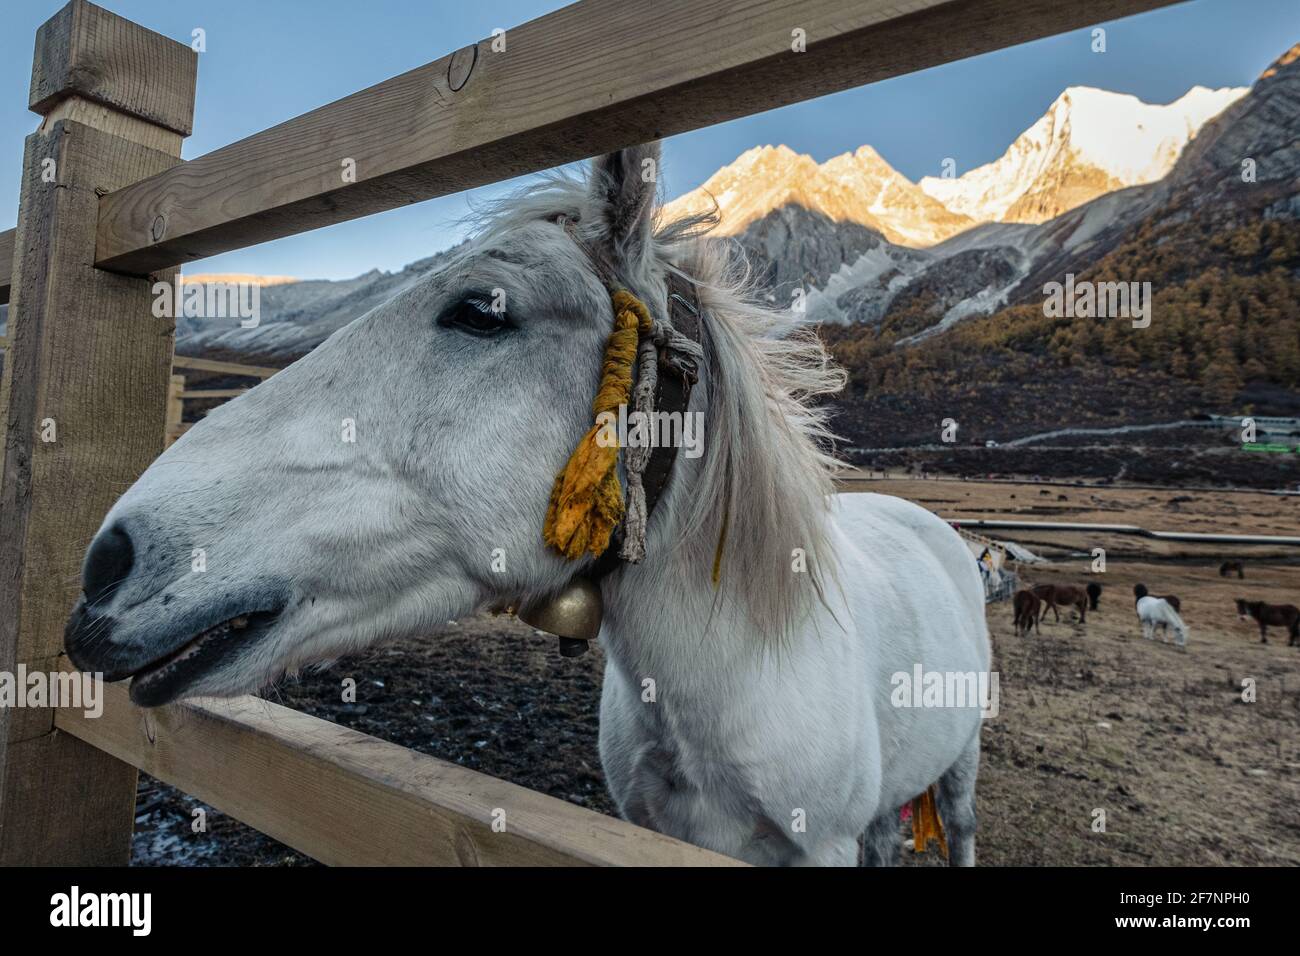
[662, 616]
[665, 613]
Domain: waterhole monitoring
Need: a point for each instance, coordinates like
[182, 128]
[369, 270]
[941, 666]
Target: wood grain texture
[88, 359]
[85, 383]
[77, 804]
[6, 262]
[345, 798]
[175, 409]
[85, 50]
[4, 394]
[209, 392]
[591, 77]
[101, 117]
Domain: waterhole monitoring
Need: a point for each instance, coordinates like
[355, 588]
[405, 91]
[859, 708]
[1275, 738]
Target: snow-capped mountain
[859, 237]
[1089, 142]
[859, 187]
[1004, 263]
[909, 216]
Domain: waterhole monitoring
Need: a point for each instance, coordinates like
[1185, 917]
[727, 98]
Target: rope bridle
[669, 358]
[587, 510]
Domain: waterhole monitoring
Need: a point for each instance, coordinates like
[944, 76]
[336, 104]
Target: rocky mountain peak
[860, 188]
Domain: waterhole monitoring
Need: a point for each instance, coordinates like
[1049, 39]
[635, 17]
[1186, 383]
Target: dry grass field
[1095, 717]
[1092, 716]
[1157, 509]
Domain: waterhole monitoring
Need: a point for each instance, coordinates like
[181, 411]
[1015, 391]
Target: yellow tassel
[586, 500]
[926, 825]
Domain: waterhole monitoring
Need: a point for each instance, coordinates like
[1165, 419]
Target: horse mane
[767, 470]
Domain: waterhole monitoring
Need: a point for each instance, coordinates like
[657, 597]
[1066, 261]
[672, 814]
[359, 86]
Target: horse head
[393, 478]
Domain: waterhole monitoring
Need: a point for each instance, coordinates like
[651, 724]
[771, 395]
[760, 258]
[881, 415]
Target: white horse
[1154, 612]
[778, 730]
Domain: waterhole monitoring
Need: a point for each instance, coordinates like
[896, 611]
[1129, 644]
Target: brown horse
[1227, 567]
[1279, 615]
[1027, 608]
[1140, 591]
[1062, 595]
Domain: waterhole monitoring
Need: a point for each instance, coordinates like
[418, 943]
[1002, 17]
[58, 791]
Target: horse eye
[475, 316]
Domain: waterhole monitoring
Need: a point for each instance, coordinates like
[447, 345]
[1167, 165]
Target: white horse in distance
[1154, 612]
[778, 731]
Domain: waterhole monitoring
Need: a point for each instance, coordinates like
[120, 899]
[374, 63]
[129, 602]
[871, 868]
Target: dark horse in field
[1027, 607]
[1279, 615]
[1062, 595]
[1227, 567]
[1140, 591]
[1094, 595]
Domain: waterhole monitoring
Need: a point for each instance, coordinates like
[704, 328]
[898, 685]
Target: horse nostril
[107, 563]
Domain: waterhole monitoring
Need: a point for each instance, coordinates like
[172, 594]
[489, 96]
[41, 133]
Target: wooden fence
[107, 208]
[177, 393]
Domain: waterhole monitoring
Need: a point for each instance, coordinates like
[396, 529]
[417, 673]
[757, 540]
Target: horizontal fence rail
[225, 368]
[345, 798]
[205, 365]
[592, 77]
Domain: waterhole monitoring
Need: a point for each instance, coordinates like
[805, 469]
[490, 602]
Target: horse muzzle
[161, 672]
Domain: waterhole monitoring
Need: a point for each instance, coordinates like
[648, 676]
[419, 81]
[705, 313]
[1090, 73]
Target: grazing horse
[1227, 567]
[1062, 595]
[1279, 615]
[1027, 606]
[1155, 612]
[777, 682]
[1094, 595]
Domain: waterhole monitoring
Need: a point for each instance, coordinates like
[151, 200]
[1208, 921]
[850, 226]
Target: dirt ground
[1092, 717]
[1095, 717]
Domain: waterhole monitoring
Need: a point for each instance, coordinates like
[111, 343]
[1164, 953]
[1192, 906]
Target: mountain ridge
[803, 230]
[1089, 142]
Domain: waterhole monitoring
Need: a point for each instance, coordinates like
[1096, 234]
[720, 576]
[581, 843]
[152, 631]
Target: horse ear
[621, 201]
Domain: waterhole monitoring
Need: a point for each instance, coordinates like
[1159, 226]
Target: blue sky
[269, 60]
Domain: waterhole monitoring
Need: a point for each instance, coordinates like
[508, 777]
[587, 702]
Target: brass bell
[573, 614]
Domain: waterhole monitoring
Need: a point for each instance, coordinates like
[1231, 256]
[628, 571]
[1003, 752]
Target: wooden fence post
[175, 409]
[87, 372]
